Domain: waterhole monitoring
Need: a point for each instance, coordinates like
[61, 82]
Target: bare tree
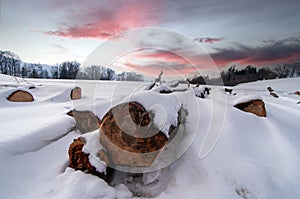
[68, 70]
[282, 70]
[294, 69]
[10, 63]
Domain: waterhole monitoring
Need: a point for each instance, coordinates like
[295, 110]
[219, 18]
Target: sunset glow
[53, 31]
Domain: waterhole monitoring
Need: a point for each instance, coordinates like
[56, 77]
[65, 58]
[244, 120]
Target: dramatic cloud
[99, 31]
[285, 50]
[104, 21]
[207, 40]
[151, 61]
[161, 55]
[76, 19]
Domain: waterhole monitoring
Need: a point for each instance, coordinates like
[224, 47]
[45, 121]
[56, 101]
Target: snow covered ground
[254, 157]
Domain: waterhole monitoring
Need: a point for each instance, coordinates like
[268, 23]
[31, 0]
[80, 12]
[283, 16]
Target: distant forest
[11, 64]
[233, 76]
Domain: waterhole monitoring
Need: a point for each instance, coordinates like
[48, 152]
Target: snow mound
[246, 98]
[76, 184]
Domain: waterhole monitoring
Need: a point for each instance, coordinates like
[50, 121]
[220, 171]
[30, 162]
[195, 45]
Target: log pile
[128, 136]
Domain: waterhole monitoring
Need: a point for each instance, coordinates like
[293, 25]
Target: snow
[91, 147]
[151, 177]
[198, 91]
[253, 157]
[246, 98]
[161, 88]
[165, 107]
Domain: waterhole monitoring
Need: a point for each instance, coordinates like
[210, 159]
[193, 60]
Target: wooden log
[270, 89]
[20, 96]
[256, 107]
[125, 143]
[75, 93]
[86, 121]
[79, 160]
[274, 94]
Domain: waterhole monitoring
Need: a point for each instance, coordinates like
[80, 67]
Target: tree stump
[76, 93]
[20, 96]
[86, 121]
[256, 107]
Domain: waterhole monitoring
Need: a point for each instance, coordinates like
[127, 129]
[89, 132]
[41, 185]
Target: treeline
[11, 64]
[33, 71]
[233, 76]
[95, 72]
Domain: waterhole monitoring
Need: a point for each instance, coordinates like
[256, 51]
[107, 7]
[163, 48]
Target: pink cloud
[151, 62]
[102, 23]
[162, 56]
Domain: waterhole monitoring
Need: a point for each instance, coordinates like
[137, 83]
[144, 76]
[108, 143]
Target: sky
[171, 35]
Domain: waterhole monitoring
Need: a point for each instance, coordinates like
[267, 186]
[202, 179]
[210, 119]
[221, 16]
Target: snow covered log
[255, 106]
[76, 93]
[79, 160]
[20, 96]
[127, 137]
[125, 141]
[86, 121]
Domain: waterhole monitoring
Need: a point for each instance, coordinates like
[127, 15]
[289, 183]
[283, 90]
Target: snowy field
[254, 157]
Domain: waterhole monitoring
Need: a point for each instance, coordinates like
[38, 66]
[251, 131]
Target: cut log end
[79, 160]
[86, 121]
[125, 141]
[76, 93]
[256, 107]
[20, 96]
